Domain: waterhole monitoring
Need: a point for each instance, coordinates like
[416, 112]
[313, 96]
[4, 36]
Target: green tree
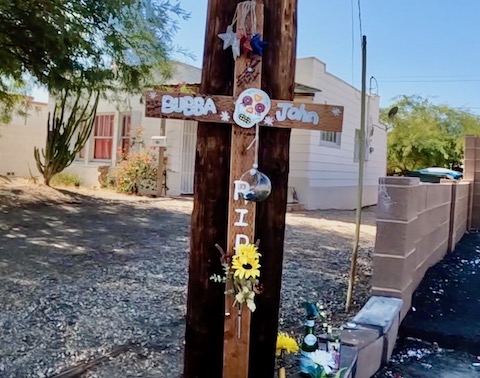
[109, 45]
[423, 134]
[78, 50]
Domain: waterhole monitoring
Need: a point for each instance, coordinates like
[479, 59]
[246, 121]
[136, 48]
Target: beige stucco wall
[18, 139]
[416, 224]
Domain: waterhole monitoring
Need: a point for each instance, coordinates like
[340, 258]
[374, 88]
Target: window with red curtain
[125, 138]
[103, 137]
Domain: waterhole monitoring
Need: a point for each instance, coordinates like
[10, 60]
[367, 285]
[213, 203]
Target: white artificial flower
[251, 305]
[324, 359]
[245, 295]
[239, 297]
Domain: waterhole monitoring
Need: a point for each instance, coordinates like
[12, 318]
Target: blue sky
[425, 47]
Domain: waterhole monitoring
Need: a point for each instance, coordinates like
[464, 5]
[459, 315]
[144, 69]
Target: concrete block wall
[417, 223]
[471, 173]
[461, 211]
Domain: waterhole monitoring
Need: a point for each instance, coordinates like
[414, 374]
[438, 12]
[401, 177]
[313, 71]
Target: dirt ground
[83, 272]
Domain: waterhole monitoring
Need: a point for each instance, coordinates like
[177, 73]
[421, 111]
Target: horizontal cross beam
[220, 109]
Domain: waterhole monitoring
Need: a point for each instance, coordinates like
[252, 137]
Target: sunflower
[285, 343]
[246, 266]
[247, 252]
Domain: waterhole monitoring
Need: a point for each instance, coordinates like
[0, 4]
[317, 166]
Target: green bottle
[310, 342]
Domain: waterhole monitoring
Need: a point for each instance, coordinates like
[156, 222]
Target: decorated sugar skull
[251, 107]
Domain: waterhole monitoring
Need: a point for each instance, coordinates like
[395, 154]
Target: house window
[330, 139]
[125, 135]
[103, 137]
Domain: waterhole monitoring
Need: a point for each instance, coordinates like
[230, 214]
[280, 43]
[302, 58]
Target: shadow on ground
[78, 278]
[81, 275]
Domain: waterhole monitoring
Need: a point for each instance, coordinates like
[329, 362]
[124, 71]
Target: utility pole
[278, 78]
[206, 300]
[362, 146]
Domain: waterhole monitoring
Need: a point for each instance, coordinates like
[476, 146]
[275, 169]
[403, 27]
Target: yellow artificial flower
[246, 252]
[285, 343]
[246, 266]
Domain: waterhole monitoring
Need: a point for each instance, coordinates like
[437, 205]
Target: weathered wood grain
[330, 116]
[237, 334]
[279, 77]
[205, 302]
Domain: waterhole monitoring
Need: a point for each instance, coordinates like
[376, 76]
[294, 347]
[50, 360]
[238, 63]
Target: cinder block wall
[472, 173]
[461, 211]
[417, 223]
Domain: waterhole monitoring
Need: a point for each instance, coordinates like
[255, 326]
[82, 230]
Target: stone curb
[369, 340]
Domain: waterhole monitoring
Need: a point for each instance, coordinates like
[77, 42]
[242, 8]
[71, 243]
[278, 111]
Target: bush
[135, 169]
[66, 179]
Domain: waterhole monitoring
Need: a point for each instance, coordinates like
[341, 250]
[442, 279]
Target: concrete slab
[380, 312]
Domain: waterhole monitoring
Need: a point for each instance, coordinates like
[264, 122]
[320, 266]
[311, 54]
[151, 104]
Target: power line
[360, 17]
[431, 81]
[440, 76]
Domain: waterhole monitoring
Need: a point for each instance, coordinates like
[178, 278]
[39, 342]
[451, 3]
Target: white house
[19, 137]
[324, 165]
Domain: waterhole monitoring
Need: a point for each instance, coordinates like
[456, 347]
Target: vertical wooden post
[280, 31]
[205, 302]
[242, 158]
[160, 169]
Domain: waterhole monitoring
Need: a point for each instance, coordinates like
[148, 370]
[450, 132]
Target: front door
[189, 143]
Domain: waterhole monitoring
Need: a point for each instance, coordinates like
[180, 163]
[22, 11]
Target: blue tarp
[441, 172]
[435, 174]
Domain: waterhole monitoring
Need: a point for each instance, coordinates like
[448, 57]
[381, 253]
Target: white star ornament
[228, 37]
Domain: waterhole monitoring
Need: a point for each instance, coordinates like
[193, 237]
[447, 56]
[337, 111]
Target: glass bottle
[310, 342]
[309, 345]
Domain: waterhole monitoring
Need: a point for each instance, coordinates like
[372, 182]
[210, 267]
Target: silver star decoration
[336, 112]
[152, 95]
[228, 37]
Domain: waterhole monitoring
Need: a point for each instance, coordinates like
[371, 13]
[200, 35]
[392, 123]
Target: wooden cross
[241, 214]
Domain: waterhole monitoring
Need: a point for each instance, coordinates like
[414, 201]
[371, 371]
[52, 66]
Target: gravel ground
[414, 358]
[84, 272]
